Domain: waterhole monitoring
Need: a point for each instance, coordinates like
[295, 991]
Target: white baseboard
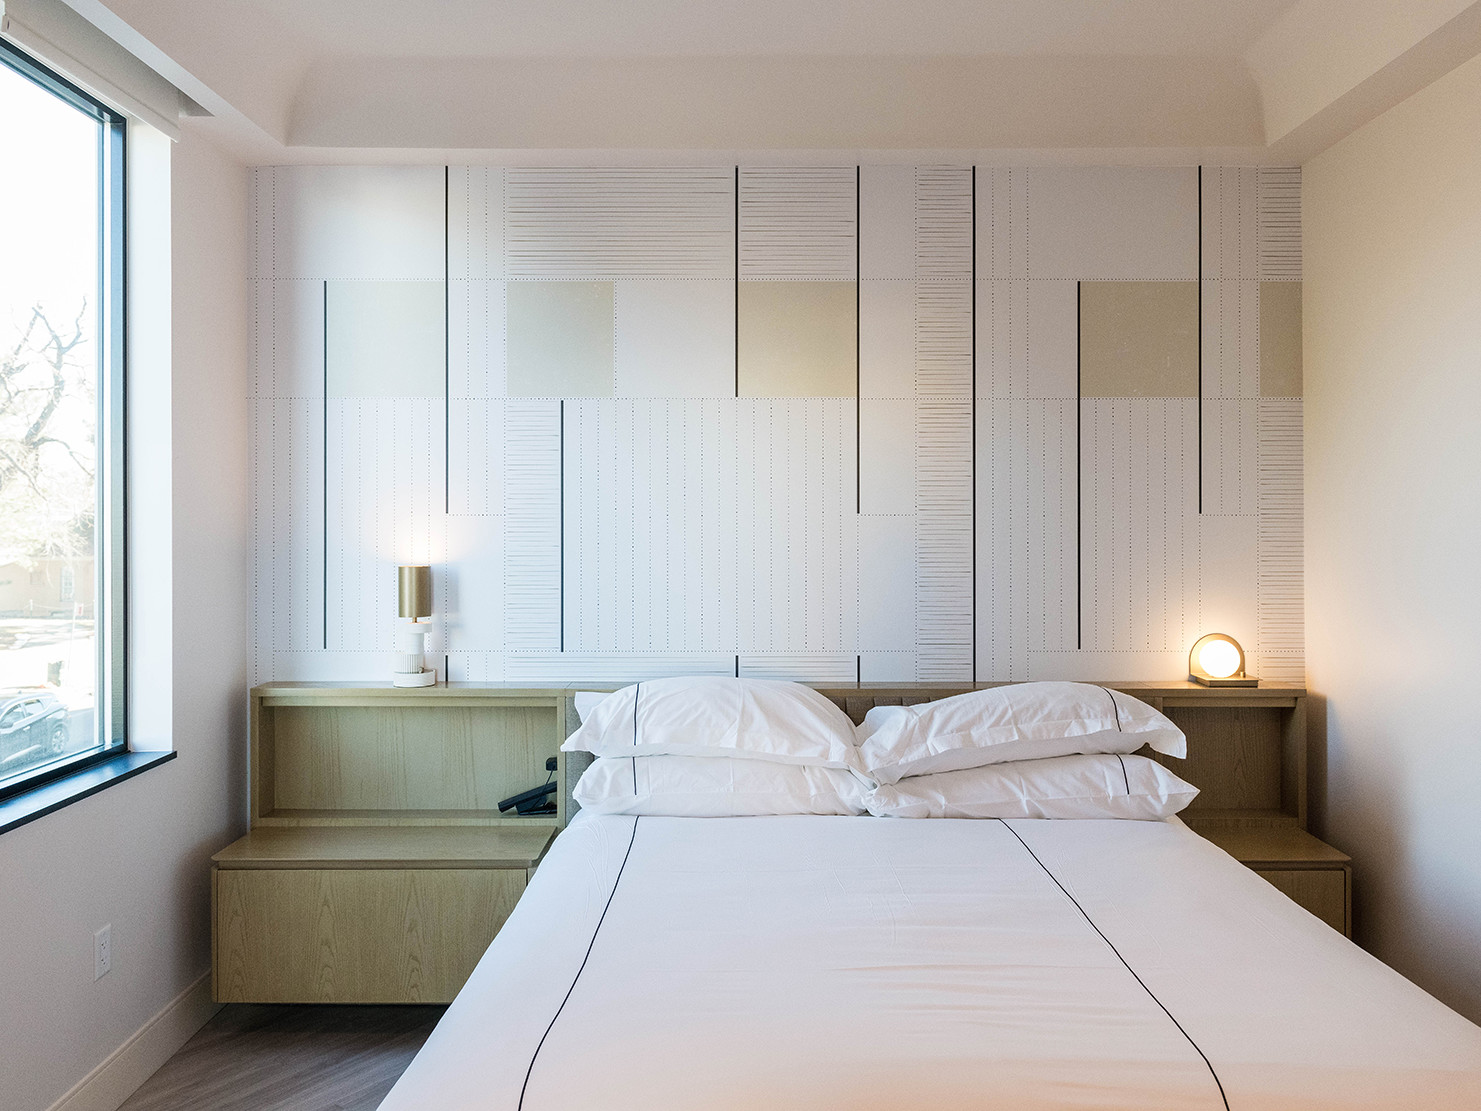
[147, 1048]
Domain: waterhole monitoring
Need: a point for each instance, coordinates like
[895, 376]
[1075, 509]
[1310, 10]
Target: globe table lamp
[1217, 660]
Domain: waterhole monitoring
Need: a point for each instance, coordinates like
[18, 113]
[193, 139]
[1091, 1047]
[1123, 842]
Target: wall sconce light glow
[1217, 660]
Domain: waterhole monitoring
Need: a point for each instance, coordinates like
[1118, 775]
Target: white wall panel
[356, 222]
[675, 528]
[620, 223]
[1278, 204]
[799, 223]
[1139, 538]
[1230, 233]
[476, 334]
[887, 456]
[1101, 223]
[288, 339]
[1003, 337]
[800, 668]
[887, 582]
[1230, 463]
[887, 210]
[1051, 339]
[1228, 578]
[1282, 588]
[1002, 223]
[675, 338]
[532, 524]
[473, 590]
[1231, 338]
[887, 338]
[475, 223]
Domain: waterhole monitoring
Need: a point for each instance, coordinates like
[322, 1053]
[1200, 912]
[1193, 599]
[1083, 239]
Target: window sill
[30, 805]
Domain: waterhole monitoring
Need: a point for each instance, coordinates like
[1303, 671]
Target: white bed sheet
[807, 962]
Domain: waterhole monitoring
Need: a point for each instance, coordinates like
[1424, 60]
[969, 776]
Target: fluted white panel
[532, 524]
[620, 223]
[1282, 639]
[798, 223]
[1279, 202]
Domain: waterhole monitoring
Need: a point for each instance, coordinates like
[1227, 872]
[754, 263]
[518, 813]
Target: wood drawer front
[389, 935]
[1323, 891]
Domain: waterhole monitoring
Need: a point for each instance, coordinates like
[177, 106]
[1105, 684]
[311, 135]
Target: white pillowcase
[715, 787]
[587, 701]
[1095, 786]
[759, 719]
[1024, 721]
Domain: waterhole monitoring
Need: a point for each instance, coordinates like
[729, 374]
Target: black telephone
[537, 800]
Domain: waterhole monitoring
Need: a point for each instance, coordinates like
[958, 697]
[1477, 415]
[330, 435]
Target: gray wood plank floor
[300, 1058]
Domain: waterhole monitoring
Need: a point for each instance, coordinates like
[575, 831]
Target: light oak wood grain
[409, 757]
[387, 847]
[354, 936]
[1323, 891]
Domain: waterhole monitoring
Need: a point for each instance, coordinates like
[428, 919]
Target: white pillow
[1024, 721]
[1060, 787]
[715, 787]
[587, 701]
[761, 719]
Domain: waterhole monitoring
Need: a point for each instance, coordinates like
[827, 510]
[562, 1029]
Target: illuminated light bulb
[1219, 659]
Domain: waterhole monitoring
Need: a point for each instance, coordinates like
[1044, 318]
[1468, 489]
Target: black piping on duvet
[1217, 1083]
[621, 868]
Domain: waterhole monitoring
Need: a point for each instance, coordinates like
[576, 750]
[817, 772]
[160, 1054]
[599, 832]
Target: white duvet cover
[852, 962]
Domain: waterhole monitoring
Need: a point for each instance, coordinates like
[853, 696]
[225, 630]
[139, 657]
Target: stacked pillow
[718, 747]
[1030, 750]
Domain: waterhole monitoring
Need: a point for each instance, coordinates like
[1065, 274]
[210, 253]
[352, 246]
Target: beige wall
[1393, 520]
[137, 855]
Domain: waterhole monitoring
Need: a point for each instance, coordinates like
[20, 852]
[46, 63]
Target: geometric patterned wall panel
[886, 422]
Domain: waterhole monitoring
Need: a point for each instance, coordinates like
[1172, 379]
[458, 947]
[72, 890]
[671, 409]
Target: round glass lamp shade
[1218, 660]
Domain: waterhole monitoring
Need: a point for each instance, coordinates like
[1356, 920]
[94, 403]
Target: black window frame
[110, 570]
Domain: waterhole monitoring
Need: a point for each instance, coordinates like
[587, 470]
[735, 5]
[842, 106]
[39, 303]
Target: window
[61, 430]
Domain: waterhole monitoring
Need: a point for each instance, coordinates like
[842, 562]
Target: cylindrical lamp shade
[414, 592]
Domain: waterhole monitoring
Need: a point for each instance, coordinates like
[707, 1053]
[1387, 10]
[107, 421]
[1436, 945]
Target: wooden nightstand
[378, 867]
[1311, 872]
[363, 914]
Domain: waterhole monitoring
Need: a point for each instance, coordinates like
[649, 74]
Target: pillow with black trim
[1093, 786]
[749, 719]
[715, 787]
[1022, 721]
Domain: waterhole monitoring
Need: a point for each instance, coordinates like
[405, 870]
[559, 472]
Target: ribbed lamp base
[425, 678]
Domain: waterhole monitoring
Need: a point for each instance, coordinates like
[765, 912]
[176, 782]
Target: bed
[1008, 937]
[802, 961]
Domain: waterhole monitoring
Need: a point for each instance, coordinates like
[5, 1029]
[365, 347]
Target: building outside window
[61, 452]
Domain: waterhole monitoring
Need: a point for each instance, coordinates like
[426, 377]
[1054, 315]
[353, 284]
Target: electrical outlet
[102, 951]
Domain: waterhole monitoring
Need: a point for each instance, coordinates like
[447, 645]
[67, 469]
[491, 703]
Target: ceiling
[741, 28]
[559, 80]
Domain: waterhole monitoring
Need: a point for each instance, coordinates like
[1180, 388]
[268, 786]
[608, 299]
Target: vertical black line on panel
[737, 287]
[974, 424]
[1079, 501]
[858, 669]
[325, 339]
[1200, 339]
[858, 356]
[562, 510]
[737, 667]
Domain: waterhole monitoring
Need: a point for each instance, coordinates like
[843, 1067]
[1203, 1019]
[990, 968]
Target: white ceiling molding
[778, 103]
[588, 82]
[1326, 67]
[52, 32]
